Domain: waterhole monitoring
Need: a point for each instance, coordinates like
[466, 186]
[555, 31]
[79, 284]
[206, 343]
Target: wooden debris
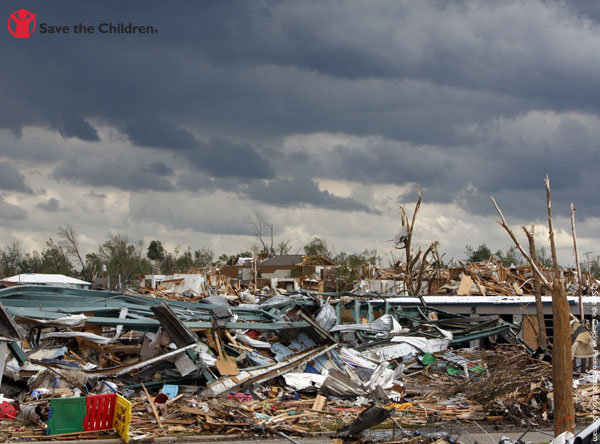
[464, 289]
[153, 406]
[319, 403]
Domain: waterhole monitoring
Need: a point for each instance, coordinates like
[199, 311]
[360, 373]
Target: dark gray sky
[321, 115]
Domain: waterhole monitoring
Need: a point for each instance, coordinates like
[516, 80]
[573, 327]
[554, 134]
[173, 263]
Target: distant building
[280, 265]
[283, 272]
[55, 280]
[174, 283]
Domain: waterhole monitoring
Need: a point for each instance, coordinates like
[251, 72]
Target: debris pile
[487, 278]
[84, 363]
[510, 373]
[289, 273]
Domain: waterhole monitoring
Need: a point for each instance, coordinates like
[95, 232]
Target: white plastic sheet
[302, 381]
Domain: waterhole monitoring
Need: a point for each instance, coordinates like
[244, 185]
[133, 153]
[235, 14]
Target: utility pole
[578, 268]
[255, 269]
[587, 258]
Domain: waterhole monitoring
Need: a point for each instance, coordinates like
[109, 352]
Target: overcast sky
[323, 116]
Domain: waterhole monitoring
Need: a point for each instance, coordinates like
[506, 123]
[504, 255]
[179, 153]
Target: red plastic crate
[100, 412]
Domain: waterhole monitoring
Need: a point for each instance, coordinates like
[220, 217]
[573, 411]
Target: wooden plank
[319, 403]
[191, 410]
[180, 421]
[151, 401]
[517, 289]
[87, 434]
[464, 288]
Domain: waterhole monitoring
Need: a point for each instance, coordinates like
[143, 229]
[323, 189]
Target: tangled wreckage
[87, 363]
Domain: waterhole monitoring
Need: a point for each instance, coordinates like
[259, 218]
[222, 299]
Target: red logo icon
[21, 23]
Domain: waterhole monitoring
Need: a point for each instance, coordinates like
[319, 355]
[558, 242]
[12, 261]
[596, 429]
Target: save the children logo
[21, 24]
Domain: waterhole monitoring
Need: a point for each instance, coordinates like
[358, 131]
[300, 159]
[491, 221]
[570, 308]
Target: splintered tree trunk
[562, 375]
[412, 286]
[537, 288]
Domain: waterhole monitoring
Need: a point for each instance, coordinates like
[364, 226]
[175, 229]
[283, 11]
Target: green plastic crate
[66, 415]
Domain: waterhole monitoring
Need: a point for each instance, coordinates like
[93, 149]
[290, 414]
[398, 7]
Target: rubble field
[85, 364]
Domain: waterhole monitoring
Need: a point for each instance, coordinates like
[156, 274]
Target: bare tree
[562, 376]
[256, 225]
[537, 288]
[562, 358]
[69, 242]
[284, 247]
[415, 270]
[504, 224]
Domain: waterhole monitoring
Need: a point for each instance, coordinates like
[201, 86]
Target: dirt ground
[464, 434]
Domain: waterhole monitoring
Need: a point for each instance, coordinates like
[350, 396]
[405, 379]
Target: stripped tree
[415, 270]
[537, 291]
[562, 377]
[69, 242]
[256, 225]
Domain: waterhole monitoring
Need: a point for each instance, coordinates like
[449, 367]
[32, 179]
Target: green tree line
[120, 257]
[508, 257]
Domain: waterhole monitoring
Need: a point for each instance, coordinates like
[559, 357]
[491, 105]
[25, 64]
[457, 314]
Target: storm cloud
[51, 205]
[111, 173]
[11, 179]
[304, 106]
[300, 191]
[10, 213]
